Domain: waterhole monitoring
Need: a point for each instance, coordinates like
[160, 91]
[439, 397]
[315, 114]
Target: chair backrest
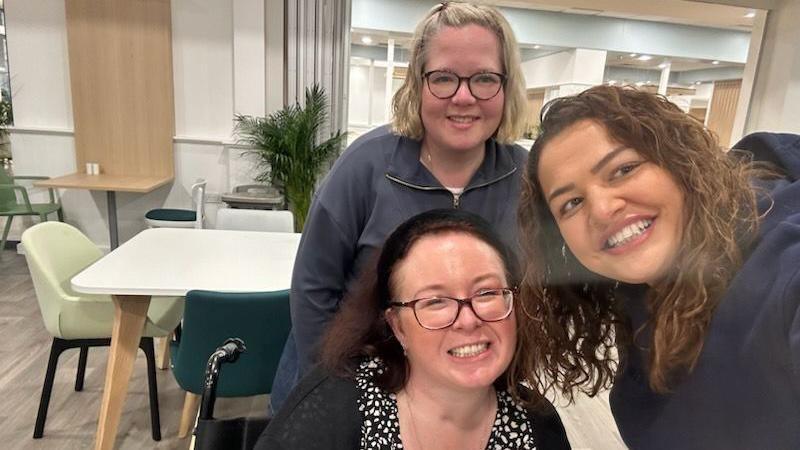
[255, 220]
[56, 252]
[8, 199]
[260, 319]
[199, 201]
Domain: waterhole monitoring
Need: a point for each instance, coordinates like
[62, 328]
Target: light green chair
[56, 252]
[10, 206]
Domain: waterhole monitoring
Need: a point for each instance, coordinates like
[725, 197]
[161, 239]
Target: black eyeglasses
[435, 313]
[483, 85]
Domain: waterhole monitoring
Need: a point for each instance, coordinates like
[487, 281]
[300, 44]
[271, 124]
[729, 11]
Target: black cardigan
[322, 413]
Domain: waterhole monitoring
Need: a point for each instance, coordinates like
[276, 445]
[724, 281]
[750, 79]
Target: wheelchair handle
[228, 353]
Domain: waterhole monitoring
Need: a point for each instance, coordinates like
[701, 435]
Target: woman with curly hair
[666, 267]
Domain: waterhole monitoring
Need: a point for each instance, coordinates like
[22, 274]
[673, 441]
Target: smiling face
[470, 353]
[461, 123]
[620, 214]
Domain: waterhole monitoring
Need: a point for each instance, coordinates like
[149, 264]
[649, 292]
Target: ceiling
[632, 61]
[670, 11]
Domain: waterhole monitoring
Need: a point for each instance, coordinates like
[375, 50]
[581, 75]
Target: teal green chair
[56, 252]
[10, 206]
[260, 319]
[181, 218]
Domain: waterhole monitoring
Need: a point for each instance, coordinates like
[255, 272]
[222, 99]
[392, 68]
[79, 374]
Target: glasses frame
[461, 303]
[427, 74]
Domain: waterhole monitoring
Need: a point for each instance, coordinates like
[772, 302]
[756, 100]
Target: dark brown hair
[576, 324]
[360, 330]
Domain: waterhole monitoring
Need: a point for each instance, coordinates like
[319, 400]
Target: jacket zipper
[456, 198]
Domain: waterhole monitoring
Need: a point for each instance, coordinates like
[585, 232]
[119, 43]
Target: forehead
[575, 149]
[470, 47]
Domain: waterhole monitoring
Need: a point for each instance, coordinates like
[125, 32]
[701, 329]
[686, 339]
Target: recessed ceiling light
[537, 47]
[645, 58]
[366, 40]
[612, 81]
[662, 66]
[750, 15]
[697, 82]
[715, 62]
[633, 55]
[640, 83]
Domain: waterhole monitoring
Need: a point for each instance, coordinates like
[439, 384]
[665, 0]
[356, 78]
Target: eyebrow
[596, 168]
[606, 159]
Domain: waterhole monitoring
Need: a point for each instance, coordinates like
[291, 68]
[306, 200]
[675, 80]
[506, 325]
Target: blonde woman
[450, 145]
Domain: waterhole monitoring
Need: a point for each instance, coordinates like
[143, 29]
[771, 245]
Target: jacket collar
[406, 166]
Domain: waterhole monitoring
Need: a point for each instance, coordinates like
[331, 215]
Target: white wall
[775, 102]
[576, 67]
[219, 67]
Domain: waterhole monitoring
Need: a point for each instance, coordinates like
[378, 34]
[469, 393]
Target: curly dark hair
[360, 329]
[575, 325]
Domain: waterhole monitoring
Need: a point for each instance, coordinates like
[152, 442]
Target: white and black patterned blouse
[380, 428]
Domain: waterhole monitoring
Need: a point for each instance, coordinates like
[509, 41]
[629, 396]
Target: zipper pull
[456, 200]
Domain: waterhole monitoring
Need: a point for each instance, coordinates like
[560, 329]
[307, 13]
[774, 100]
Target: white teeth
[629, 232]
[469, 350]
[462, 119]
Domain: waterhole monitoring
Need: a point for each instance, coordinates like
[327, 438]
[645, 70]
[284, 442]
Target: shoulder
[548, 430]
[322, 408]
[374, 146]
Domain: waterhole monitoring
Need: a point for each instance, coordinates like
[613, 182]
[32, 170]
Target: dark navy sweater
[744, 392]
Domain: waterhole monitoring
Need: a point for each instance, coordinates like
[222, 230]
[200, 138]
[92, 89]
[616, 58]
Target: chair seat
[38, 209]
[172, 215]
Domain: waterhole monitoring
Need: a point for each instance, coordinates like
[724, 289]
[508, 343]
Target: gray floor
[72, 418]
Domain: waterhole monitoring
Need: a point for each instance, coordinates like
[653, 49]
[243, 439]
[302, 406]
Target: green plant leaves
[289, 154]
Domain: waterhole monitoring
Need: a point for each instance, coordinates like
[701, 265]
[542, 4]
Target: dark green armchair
[10, 206]
[261, 319]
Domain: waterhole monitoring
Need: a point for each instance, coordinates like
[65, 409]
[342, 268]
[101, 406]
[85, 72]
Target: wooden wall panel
[120, 60]
[723, 109]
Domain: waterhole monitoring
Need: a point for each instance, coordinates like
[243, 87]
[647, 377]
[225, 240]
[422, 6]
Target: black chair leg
[81, 368]
[155, 420]
[56, 348]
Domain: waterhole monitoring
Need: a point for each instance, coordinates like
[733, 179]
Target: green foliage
[285, 144]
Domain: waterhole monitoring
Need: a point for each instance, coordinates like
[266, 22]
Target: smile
[463, 119]
[628, 233]
[467, 351]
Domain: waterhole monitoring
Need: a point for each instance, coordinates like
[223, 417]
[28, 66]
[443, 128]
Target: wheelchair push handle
[227, 353]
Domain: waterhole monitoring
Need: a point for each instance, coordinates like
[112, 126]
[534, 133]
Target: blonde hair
[407, 100]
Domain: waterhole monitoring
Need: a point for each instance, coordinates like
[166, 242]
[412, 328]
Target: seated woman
[418, 357]
[643, 236]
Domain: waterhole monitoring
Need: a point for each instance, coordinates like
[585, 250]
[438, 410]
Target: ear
[396, 324]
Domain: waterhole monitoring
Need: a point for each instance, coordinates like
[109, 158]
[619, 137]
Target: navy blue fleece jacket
[744, 392]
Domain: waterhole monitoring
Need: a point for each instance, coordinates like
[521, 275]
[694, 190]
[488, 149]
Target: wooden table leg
[130, 312]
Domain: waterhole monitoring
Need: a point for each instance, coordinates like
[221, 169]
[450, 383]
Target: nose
[463, 94]
[604, 206]
[466, 319]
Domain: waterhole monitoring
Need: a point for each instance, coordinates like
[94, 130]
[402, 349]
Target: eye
[625, 169]
[441, 77]
[570, 205]
[485, 78]
[433, 303]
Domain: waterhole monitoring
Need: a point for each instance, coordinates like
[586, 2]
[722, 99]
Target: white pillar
[775, 104]
[387, 116]
[664, 81]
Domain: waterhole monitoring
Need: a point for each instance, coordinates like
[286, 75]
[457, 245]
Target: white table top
[173, 261]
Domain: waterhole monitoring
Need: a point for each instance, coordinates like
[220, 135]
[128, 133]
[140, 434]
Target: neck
[452, 169]
[465, 409]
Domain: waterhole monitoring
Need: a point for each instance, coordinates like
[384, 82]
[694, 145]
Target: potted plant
[288, 150]
[5, 120]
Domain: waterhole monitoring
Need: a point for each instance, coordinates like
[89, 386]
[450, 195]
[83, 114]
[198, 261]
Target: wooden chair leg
[162, 353]
[190, 404]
